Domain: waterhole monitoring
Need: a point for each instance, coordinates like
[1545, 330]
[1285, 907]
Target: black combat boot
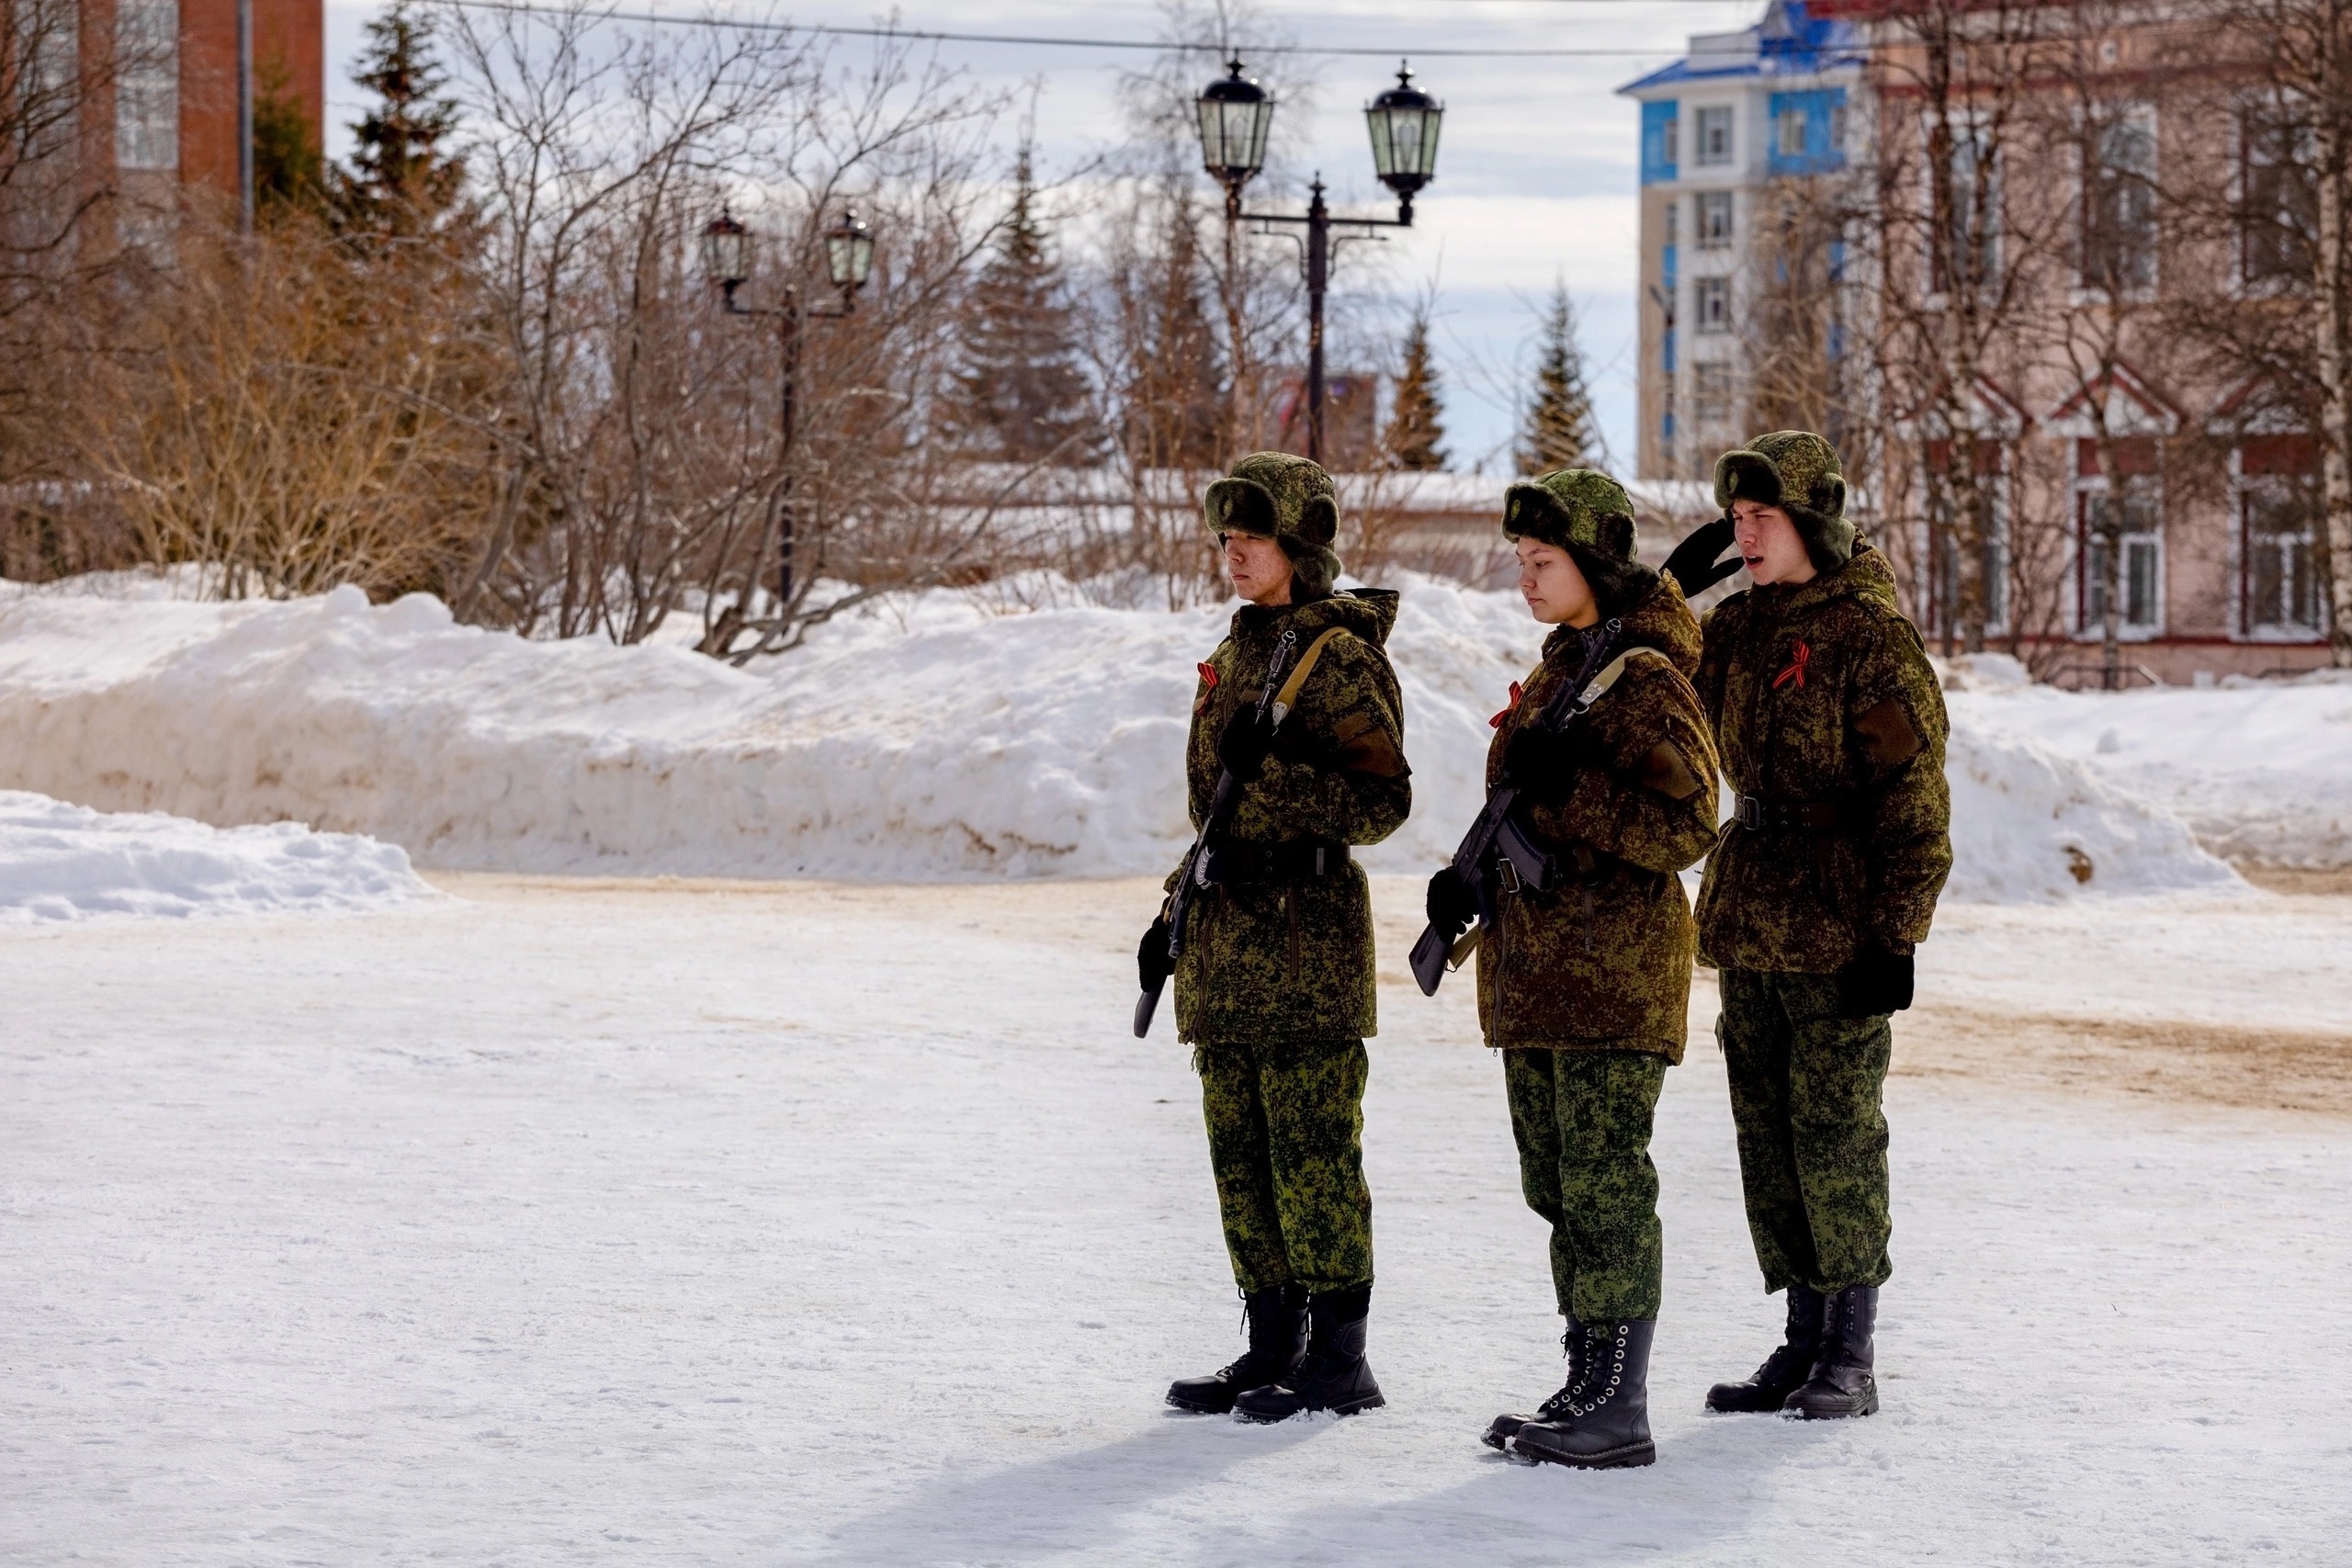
[1608, 1427]
[1503, 1429]
[1841, 1384]
[1784, 1369]
[1335, 1376]
[1277, 1344]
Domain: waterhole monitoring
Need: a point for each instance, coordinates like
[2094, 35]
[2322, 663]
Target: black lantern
[725, 250]
[1235, 114]
[1404, 122]
[849, 251]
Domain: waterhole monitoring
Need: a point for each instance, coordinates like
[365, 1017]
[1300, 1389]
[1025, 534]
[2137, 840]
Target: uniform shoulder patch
[1365, 747]
[1662, 769]
[1889, 738]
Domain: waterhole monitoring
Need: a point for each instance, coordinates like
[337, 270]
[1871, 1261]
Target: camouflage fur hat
[1575, 508]
[1798, 472]
[1589, 515]
[1288, 500]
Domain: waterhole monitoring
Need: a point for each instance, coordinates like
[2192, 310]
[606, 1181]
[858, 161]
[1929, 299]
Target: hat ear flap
[1615, 536]
[1318, 519]
[1829, 495]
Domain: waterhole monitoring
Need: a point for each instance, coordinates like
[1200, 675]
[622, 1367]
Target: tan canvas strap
[1598, 687]
[1288, 695]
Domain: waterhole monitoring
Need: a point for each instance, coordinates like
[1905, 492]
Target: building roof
[1790, 41]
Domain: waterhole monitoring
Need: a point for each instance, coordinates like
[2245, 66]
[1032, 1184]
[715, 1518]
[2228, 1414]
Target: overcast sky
[1535, 170]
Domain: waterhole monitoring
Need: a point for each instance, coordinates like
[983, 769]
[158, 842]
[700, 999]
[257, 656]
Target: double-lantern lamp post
[727, 262]
[1235, 114]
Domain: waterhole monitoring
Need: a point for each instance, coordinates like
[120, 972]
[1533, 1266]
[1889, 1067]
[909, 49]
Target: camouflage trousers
[1805, 1097]
[1582, 1122]
[1286, 1142]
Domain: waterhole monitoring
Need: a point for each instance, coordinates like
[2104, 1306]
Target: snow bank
[2030, 826]
[68, 863]
[937, 740]
[2259, 772]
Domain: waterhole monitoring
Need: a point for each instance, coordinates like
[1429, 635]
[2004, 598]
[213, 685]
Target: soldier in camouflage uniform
[1584, 987]
[1275, 989]
[1831, 728]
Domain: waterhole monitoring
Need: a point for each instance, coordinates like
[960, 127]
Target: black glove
[1544, 763]
[1876, 983]
[1152, 963]
[1243, 747]
[1452, 903]
[1693, 563]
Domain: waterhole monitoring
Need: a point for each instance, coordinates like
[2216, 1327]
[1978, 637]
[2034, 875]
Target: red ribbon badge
[1208, 687]
[1511, 708]
[1798, 654]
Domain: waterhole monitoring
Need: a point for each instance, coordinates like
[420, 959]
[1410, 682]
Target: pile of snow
[2260, 772]
[68, 863]
[931, 740]
[938, 738]
[2030, 826]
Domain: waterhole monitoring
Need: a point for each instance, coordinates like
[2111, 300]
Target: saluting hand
[1693, 565]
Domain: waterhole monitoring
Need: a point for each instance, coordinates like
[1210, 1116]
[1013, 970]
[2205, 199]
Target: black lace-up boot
[1335, 1376]
[1504, 1428]
[1608, 1425]
[1784, 1369]
[1842, 1384]
[1277, 1319]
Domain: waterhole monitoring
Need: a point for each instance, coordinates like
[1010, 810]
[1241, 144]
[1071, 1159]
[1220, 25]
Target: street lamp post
[727, 262]
[1235, 114]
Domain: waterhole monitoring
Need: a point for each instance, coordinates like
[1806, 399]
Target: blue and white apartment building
[1738, 112]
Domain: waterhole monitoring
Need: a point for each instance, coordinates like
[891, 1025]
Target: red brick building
[166, 107]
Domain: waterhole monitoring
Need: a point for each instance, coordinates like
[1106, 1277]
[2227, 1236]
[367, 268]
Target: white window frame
[1701, 418]
[1723, 201]
[2246, 491]
[1715, 285]
[147, 85]
[2086, 291]
[2087, 623]
[2242, 285]
[1931, 606]
[1710, 116]
[1965, 126]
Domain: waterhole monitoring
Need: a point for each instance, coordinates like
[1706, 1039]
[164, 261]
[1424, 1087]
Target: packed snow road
[678, 1223]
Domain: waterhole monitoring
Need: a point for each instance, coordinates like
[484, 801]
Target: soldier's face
[1554, 590]
[1260, 571]
[1770, 544]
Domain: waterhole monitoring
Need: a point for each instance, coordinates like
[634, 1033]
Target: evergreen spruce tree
[289, 170]
[1021, 395]
[1416, 424]
[1176, 394]
[402, 182]
[1558, 432]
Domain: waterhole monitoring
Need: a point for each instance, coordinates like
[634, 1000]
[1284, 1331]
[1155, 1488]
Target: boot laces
[1605, 1392]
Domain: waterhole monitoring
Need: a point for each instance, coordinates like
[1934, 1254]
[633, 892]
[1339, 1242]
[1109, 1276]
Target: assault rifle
[1222, 800]
[1497, 856]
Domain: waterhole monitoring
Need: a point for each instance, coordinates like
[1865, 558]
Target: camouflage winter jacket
[1825, 709]
[1289, 957]
[1601, 961]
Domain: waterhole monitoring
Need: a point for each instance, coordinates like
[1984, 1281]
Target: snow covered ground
[936, 739]
[581, 1223]
[68, 863]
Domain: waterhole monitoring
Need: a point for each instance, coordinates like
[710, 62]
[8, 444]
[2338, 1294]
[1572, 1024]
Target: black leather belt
[1758, 815]
[1273, 863]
